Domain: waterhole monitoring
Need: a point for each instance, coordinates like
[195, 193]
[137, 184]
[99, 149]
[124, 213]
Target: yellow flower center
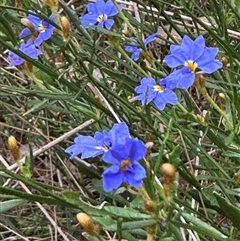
[102, 17]
[41, 28]
[158, 88]
[125, 164]
[191, 64]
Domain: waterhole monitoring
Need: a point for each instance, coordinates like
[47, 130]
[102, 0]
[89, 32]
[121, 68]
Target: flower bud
[86, 222]
[27, 67]
[147, 57]
[13, 148]
[201, 81]
[27, 23]
[200, 118]
[149, 146]
[53, 4]
[150, 205]
[65, 28]
[235, 176]
[151, 230]
[169, 173]
[125, 32]
[223, 101]
[224, 62]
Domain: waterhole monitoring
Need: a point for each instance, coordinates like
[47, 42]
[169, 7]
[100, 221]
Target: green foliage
[90, 80]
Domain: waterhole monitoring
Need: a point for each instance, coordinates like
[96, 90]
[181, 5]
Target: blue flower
[99, 144]
[27, 48]
[161, 94]
[126, 168]
[44, 28]
[137, 50]
[99, 12]
[194, 54]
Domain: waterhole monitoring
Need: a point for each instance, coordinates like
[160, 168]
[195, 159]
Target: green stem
[166, 137]
[182, 108]
[204, 92]
[143, 192]
[119, 48]
[37, 81]
[124, 18]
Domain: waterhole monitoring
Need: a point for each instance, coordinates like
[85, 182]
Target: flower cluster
[38, 28]
[117, 148]
[190, 56]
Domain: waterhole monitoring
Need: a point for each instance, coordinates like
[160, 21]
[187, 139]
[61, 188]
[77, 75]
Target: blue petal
[130, 48]
[96, 8]
[132, 149]
[102, 138]
[197, 48]
[25, 32]
[119, 133]
[110, 9]
[88, 20]
[182, 79]
[135, 176]
[135, 55]
[34, 20]
[175, 59]
[14, 59]
[112, 178]
[207, 61]
[101, 24]
[151, 38]
[43, 36]
[86, 145]
[38, 41]
[145, 90]
[139, 171]
[189, 50]
[108, 23]
[137, 149]
[165, 97]
[112, 157]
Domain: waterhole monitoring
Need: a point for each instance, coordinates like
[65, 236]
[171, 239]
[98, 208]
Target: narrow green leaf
[202, 227]
[133, 225]
[231, 212]
[7, 205]
[126, 213]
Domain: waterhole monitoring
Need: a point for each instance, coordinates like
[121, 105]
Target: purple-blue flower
[161, 94]
[99, 12]
[44, 28]
[125, 165]
[27, 48]
[137, 50]
[89, 146]
[194, 54]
